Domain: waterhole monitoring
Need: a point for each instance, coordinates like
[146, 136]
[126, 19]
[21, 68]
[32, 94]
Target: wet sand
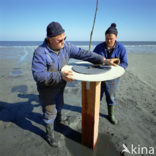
[21, 127]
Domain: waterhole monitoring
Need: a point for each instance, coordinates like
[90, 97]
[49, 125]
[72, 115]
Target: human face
[57, 43]
[110, 40]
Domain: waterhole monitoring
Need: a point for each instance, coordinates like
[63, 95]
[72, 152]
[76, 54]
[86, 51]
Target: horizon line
[76, 41]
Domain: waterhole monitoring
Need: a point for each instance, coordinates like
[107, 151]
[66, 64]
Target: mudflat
[21, 126]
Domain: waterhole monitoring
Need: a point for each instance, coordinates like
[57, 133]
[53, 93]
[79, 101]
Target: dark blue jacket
[119, 52]
[47, 65]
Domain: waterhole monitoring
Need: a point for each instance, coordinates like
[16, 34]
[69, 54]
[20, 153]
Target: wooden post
[90, 113]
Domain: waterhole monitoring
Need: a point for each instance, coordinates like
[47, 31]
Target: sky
[26, 20]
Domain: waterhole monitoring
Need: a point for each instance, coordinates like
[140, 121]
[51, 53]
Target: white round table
[113, 73]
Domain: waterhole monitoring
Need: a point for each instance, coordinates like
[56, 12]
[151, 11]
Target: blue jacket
[46, 65]
[119, 52]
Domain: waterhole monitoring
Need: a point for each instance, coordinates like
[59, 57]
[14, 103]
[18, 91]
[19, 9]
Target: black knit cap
[54, 29]
[112, 30]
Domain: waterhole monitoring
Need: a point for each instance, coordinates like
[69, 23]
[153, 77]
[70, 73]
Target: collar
[49, 49]
[114, 47]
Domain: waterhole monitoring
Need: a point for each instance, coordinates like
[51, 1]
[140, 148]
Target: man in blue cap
[111, 49]
[48, 60]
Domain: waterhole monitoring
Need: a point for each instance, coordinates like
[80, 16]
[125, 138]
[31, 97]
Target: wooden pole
[91, 33]
[90, 113]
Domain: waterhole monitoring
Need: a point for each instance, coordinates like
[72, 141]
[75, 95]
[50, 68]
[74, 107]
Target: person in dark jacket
[47, 62]
[109, 49]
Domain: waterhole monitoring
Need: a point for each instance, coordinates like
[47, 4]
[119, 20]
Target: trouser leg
[60, 100]
[48, 103]
[110, 92]
[103, 85]
[47, 99]
[59, 104]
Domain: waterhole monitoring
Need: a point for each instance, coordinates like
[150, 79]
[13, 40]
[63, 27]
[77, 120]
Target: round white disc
[113, 73]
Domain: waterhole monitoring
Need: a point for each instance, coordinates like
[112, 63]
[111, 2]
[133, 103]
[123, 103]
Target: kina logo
[138, 150]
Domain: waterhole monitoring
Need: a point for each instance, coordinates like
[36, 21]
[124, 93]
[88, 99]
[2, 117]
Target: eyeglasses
[59, 41]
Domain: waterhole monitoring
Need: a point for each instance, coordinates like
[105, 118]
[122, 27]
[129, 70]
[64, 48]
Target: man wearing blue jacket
[48, 60]
[111, 49]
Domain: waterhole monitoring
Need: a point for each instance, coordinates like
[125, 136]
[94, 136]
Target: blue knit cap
[54, 29]
[112, 29]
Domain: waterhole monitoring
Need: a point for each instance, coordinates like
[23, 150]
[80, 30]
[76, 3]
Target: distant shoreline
[131, 46]
[29, 43]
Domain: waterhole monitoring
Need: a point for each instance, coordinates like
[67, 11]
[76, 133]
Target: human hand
[113, 61]
[67, 75]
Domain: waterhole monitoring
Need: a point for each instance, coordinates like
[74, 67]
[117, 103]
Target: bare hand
[67, 75]
[113, 61]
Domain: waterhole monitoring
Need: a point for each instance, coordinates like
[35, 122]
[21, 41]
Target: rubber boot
[58, 117]
[111, 116]
[60, 120]
[50, 135]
